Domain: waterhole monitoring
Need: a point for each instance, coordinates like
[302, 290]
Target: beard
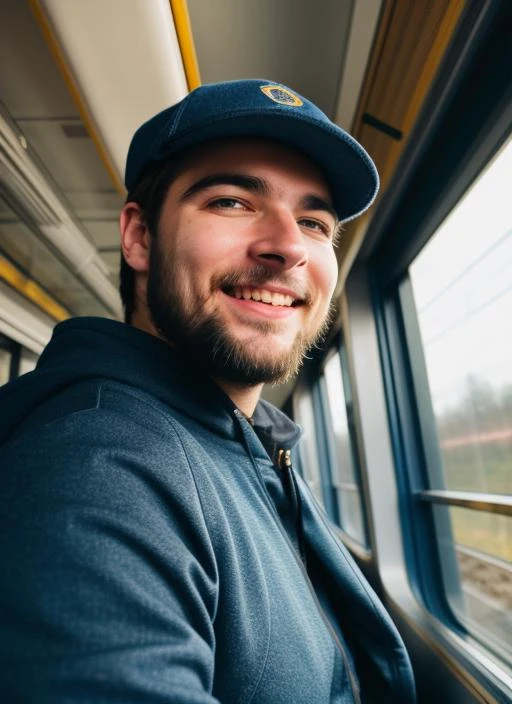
[206, 340]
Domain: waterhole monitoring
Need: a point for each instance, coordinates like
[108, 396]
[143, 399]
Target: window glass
[5, 365]
[483, 555]
[305, 417]
[462, 284]
[344, 468]
[28, 361]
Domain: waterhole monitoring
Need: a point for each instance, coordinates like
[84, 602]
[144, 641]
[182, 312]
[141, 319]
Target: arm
[108, 586]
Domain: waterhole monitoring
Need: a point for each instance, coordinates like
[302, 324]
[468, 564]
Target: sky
[462, 283]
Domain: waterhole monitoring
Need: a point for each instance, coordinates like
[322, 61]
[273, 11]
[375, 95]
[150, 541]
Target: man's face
[242, 268]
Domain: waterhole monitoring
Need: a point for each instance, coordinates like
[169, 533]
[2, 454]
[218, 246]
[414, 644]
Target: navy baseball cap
[259, 108]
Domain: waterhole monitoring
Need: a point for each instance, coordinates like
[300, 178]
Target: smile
[262, 295]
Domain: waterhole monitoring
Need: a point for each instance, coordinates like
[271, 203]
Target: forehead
[276, 162]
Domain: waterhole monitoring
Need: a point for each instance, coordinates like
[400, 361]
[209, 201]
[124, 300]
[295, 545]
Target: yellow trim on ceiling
[183, 27]
[61, 61]
[31, 290]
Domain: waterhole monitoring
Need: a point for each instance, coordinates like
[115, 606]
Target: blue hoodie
[157, 547]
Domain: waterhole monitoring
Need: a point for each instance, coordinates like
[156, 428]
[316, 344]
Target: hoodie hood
[88, 348]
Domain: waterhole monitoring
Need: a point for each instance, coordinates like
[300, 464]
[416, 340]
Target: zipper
[284, 463]
[284, 456]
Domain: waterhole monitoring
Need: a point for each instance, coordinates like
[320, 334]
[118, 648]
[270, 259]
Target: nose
[279, 242]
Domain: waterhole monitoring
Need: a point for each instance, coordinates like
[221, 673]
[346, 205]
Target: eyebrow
[312, 202]
[253, 184]
[256, 185]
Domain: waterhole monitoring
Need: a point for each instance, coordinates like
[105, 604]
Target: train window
[5, 365]
[9, 359]
[28, 361]
[462, 291]
[303, 412]
[344, 468]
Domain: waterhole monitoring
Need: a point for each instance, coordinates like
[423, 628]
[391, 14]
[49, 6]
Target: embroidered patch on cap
[281, 95]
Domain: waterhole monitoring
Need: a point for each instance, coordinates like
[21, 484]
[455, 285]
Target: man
[157, 545]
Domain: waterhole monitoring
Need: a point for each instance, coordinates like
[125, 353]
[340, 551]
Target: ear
[135, 239]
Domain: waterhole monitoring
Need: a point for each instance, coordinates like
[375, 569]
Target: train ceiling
[79, 76]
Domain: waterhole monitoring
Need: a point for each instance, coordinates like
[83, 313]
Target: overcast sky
[462, 282]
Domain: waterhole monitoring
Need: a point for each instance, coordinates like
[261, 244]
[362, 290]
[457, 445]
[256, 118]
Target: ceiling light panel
[124, 60]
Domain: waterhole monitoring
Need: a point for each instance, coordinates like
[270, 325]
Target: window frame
[337, 349]
[464, 122]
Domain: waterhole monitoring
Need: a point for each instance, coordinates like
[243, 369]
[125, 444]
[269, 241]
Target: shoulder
[97, 404]
[118, 456]
[95, 436]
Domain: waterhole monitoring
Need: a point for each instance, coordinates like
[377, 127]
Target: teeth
[274, 299]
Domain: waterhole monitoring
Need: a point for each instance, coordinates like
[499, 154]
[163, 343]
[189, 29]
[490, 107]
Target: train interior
[407, 405]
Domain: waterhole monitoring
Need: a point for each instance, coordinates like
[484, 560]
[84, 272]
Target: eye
[227, 203]
[318, 225]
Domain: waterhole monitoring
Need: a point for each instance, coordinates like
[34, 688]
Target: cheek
[207, 244]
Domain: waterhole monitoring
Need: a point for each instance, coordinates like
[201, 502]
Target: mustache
[258, 276]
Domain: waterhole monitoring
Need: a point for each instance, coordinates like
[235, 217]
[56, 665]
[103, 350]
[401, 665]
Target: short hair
[149, 193]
